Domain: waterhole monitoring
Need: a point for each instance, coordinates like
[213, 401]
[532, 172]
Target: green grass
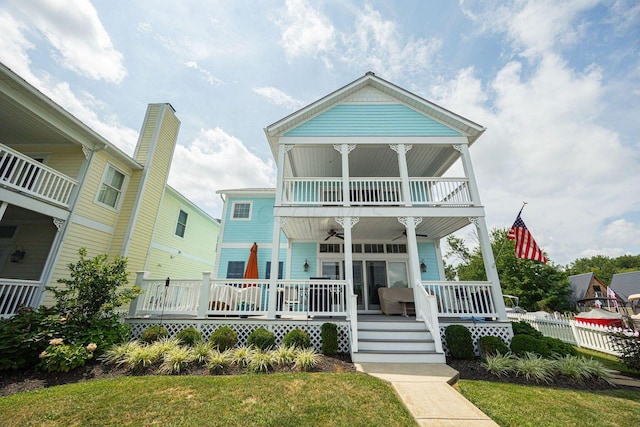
[608, 360]
[299, 399]
[520, 405]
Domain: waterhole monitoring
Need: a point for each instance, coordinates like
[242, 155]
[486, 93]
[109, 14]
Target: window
[241, 210]
[330, 248]
[267, 274]
[111, 187]
[396, 249]
[182, 223]
[235, 270]
[373, 248]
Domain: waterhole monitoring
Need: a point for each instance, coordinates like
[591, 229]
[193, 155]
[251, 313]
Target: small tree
[95, 289]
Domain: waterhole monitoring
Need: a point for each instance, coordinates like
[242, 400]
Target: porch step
[395, 341]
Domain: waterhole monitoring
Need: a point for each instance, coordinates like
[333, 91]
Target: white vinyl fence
[569, 330]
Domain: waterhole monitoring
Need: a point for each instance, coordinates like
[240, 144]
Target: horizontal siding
[427, 252]
[67, 160]
[301, 252]
[236, 254]
[259, 229]
[162, 264]
[35, 238]
[372, 120]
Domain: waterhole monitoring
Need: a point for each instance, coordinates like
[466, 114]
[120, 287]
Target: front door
[376, 277]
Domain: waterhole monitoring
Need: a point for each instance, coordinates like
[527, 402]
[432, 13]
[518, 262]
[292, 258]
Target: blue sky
[557, 84]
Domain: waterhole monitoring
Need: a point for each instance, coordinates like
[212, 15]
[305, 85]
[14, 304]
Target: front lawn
[528, 405]
[300, 399]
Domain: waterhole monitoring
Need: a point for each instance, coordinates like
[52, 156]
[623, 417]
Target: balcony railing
[376, 192]
[15, 293]
[29, 176]
[463, 299]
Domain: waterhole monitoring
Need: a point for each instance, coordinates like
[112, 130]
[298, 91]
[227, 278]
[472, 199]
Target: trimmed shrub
[523, 328]
[329, 334]
[522, 344]
[491, 346]
[459, 342]
[262, 339]
[189, 336]
[297, 338]
[223, 338]
[153, 334]
[559, 347]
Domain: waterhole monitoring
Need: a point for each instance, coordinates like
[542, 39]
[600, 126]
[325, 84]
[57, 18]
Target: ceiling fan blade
[422, 235]
[339, 236]
[400, 236]
[327, 238]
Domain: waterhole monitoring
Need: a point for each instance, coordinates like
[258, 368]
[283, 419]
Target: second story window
[241, 211]
[111, 187]
[182, 223]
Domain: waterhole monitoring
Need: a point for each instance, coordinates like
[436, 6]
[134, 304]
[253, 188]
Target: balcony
[450, 192]
[28, 176]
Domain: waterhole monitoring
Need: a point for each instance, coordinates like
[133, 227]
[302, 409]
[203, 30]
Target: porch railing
[312, 297]
[14, 293]
[180, 297]
[463, 299]
[22, 173]
[376, 191]
[427, 311]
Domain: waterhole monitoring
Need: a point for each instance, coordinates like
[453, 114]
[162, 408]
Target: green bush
[223, 338]
[153, 334]
[522, 344]
[262, 339]
[189, 336]
[329, 335]
[559, 347]
[491, 346]
[523, 328]
[297, 338]
[60, 357]
[459, 342]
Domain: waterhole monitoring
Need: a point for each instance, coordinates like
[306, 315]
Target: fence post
[576, 334]
[203, 299]
[133, 304]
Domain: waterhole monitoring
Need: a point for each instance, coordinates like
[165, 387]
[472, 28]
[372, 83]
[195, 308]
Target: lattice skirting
[244, 327]
[502, 330]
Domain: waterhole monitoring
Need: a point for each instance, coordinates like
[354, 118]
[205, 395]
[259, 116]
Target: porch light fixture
[306, 265]
[18, 255]
[423, 266]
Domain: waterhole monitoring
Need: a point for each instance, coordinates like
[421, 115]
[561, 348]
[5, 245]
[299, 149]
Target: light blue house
[351, 234]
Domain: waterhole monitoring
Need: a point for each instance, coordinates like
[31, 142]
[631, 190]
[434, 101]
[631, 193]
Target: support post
[205, 291]
[133, 304]
[275, 261]
[410, 224]
[402, 149]
[344, 150]
[463, 149]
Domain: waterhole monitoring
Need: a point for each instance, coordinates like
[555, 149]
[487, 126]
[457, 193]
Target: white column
[468, 171]
[440, 260]
[133, 304]
[344, 150]
[278, 222]
[205, 291]
[282, 151]
[412, 247]
[490, 266]
[402, 149]
[347, 223]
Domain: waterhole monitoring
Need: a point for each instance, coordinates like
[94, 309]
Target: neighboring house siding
[182, 257]
[66, 160]
[372, 120]
[427, 252]
[301, 252]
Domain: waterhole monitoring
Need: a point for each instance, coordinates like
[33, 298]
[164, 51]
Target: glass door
[358, 284]
[376, 277]
[398, 274]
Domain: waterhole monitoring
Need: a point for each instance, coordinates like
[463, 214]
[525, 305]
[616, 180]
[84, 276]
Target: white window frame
[125, 181]
[241, 202]
[184, 231]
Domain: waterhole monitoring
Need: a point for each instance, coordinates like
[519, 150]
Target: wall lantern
[423, 266]
[18, 255]
[306, 265]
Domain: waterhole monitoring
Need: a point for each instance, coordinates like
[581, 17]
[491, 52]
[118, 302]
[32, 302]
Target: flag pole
[505, 237]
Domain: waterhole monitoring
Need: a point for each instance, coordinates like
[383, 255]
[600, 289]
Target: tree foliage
[603, 266]
[539, 286]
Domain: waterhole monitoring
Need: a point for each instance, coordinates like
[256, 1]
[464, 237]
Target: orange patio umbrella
[251, 271]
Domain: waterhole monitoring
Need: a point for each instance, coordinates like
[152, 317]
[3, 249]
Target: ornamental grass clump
[143, 357]
[534, 367]
[175, 360]
[218, 361]
[572, 367]
[165, 345]
[118, 354]
[241, 356]
[261, 362]
[284, 355]
[201, 351]
[306, 359]
[596, 370]
[500, 364]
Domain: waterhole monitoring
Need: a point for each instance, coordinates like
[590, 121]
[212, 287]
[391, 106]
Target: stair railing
[427, 311]
[352, 317]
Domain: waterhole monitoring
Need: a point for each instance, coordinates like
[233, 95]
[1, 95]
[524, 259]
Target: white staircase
[395, 340]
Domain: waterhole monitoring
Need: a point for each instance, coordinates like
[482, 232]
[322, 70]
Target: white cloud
[75, 31]
[215, 161]
[206, 74]
[14, 45]
[305, 30]
[278, 97]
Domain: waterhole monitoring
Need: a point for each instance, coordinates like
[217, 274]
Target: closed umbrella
[251, 271]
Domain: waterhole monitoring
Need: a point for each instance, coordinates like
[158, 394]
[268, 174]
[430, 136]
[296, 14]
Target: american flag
[526, 246]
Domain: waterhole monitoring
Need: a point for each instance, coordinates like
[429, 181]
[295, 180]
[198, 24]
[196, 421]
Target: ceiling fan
[404, 234]
[333, 233]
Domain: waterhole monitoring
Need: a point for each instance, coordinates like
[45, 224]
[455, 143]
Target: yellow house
[63, 186]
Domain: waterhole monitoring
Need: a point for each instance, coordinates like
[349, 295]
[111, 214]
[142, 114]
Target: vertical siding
[372, 120]
[301, 251]
[427, 252]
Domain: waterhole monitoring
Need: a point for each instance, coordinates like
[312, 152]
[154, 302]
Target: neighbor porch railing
[376, 191]
[463, 299]
[14, 293]
[238, 297]
[29, 176]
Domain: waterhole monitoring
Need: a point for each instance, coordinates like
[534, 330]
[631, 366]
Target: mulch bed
[12, 382]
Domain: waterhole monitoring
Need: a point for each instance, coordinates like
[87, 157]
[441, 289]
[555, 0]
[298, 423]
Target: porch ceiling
[369, 161]
[370, 229]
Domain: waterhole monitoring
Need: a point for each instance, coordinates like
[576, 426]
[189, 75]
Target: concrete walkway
[426, 391]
